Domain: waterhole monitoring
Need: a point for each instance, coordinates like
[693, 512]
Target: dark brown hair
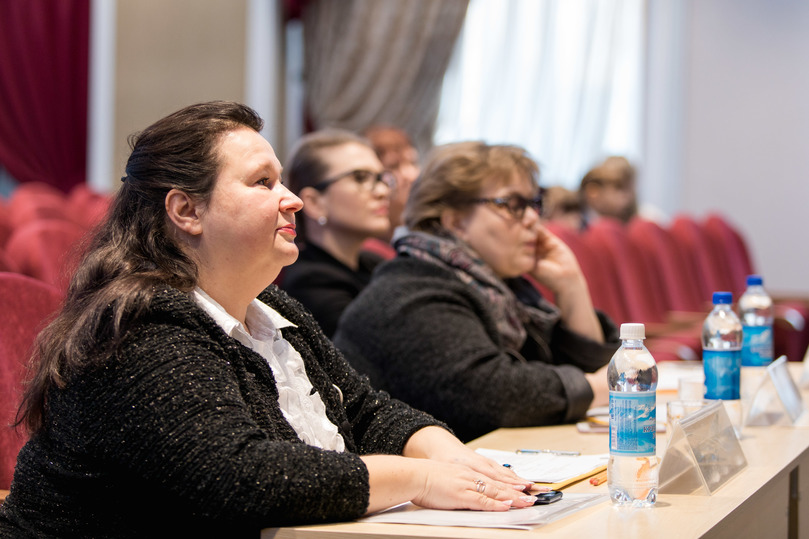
[133, 249]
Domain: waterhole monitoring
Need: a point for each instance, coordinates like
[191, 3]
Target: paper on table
[548, 467]
[520, 519]
[670, 372]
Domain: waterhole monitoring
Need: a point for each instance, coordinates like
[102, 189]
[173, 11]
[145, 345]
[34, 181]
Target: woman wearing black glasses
[452, 327]
[346, 196]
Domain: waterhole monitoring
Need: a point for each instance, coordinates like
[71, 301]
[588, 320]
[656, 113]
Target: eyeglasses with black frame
[365, 179]
[515, 204]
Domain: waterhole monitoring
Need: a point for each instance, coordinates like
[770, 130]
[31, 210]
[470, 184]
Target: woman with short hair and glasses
[451, 325]
[346, 198]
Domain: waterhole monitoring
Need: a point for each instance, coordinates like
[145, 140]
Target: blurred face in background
[562, 207]
[611, 192]
[609, 198]
[400, 157]
[404, 165]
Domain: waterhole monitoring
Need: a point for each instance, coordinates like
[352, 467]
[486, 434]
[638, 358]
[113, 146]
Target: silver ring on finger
[480, 486]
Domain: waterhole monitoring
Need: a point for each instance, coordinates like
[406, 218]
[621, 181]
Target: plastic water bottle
[722, 356]
[755, 310]
[632, 471]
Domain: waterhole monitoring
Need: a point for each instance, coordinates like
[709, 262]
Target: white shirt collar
[260, 317]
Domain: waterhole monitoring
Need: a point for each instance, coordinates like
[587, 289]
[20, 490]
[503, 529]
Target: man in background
[398, 155]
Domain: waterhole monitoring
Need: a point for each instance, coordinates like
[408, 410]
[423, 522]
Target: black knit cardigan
[180, 432]
[431, 340]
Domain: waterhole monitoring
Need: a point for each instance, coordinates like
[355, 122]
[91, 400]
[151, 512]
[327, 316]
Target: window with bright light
[562, 78]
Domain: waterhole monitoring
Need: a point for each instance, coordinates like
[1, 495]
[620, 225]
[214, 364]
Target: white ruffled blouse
[303, 409]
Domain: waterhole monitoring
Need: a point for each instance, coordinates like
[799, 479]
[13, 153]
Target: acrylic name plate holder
[702, 454]
[776, 400]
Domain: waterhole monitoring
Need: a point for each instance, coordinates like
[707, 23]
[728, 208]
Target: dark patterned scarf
[511, 314]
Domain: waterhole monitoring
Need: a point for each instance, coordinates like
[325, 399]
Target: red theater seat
[46, 250]
[25, 305]
[87, 207]
[34, 201]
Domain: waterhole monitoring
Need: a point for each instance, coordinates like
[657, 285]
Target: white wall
[745, 131]
[196, 50]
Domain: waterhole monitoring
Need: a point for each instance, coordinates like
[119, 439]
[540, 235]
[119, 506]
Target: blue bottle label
[722, 371]
[757, 346]
[633, 423]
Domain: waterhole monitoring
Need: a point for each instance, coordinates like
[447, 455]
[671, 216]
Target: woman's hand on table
[438, 485]
[437, 444]
[457, 486]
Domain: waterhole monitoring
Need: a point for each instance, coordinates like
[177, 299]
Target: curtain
[378, 61]
[562, 78]
[43, 90]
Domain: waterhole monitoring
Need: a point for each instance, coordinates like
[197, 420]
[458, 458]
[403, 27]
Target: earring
[322, 220]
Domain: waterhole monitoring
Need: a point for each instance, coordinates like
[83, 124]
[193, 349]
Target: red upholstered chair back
[728, 243]
[87, 207]
[34, 201]
[25, 305]
[6, 263]
[599, 272]
[5, 224]
[677, 278]
[696, 249]
[641, 295]
[380, 247]
[47, 250]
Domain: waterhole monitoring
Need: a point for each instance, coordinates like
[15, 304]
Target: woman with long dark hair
[177, 392]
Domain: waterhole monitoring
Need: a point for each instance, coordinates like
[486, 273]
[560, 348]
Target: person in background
[346, 195]
[451, 327]
[398, 155]
[562, 206]
[178, 393]
[608, 190]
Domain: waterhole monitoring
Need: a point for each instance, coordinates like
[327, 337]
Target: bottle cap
[633, 331]
[753, 280]
[720, 298]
